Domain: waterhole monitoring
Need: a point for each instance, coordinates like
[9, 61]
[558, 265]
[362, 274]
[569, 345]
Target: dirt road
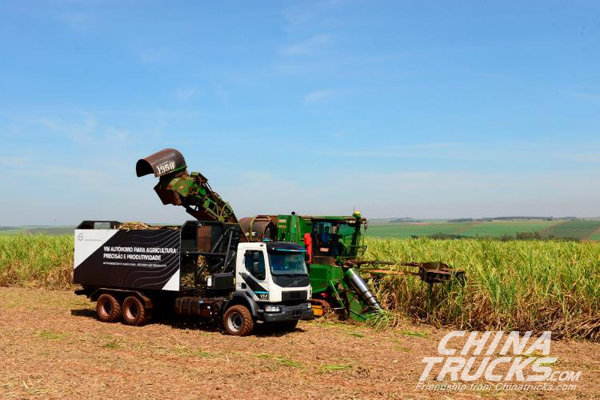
[51, 345]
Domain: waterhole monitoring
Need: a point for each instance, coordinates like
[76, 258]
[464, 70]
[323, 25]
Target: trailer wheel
[134, 312]
[108, 308]
[238, 321]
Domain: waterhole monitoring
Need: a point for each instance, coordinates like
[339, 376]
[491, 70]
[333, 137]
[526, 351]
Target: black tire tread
[115, 312]
[141, 318]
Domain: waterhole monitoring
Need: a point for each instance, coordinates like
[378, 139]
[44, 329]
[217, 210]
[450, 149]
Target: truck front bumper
[290, 313]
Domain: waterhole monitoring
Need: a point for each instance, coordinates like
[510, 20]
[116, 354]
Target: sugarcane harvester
[335, 244]
[336, 249]
[332, 242]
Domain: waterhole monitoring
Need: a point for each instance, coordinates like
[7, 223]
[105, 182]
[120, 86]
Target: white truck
[199, 269]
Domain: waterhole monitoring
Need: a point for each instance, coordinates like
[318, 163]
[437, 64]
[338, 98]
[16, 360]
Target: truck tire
[238, 321]
[134, 312]
[108, 308]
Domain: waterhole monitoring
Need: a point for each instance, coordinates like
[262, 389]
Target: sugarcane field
[321, 199]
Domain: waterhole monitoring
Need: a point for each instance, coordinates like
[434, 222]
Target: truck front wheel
[134, 312]
[238, 321]
[108, 308]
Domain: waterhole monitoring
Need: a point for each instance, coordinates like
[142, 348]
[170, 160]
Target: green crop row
[516, 285]
[577, 229]
[36, 261]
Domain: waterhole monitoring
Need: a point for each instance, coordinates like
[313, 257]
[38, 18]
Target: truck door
[255, 275]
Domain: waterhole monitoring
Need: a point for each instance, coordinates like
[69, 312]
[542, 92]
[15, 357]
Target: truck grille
[294, 296]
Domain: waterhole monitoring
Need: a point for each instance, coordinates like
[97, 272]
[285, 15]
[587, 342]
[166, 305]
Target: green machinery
[336, 251]
[335, 244]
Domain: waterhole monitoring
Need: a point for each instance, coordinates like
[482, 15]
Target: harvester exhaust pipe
[362, 289]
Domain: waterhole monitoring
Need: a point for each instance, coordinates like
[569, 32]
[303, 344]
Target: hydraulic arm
[178, 187]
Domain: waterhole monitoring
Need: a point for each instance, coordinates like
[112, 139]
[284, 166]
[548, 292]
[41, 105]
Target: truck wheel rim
[235, 321]
[132, 311]
[107, 307]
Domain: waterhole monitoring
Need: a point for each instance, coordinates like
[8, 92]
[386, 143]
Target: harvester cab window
[346, 234]
[324, 232]
[255, 264]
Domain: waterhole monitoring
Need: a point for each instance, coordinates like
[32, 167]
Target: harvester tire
[134, 312]
[108, 308]
[238, 321]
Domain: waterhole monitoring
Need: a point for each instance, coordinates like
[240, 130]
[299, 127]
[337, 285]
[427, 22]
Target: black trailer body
[135, 259]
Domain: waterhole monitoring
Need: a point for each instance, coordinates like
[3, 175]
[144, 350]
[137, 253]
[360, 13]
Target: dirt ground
[51, 346]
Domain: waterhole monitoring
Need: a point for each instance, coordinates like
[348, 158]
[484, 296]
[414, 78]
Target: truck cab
[275, 276]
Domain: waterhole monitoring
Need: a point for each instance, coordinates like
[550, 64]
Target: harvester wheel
[134, 312]
[108, 308]
[238, 321]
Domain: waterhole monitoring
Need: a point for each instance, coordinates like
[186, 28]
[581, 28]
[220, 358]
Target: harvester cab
[339, 238]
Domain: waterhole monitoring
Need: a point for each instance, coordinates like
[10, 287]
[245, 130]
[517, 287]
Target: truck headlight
[272, 309]
[309, 306]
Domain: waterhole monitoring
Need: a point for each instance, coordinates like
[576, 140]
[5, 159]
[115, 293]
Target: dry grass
[53, 347]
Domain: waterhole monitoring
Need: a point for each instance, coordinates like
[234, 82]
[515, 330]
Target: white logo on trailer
[90, 240]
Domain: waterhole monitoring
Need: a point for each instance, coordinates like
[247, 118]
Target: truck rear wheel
[238, 321]
[108, 308]
[134, 312]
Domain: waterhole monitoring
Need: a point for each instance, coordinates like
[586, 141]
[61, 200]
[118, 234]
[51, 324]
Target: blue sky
[396, 108]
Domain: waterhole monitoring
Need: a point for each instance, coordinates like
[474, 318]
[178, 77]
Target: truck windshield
[287, 263]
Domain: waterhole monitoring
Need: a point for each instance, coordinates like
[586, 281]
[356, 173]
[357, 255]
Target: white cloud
[582, 95]
[185, 94]
[522, 153]
[150, 55]
[318, 96]
[221, 93]
[308, 47]
[77, 21]
[13, 162]
[117, 135]
[80, 132]
[87, 131]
